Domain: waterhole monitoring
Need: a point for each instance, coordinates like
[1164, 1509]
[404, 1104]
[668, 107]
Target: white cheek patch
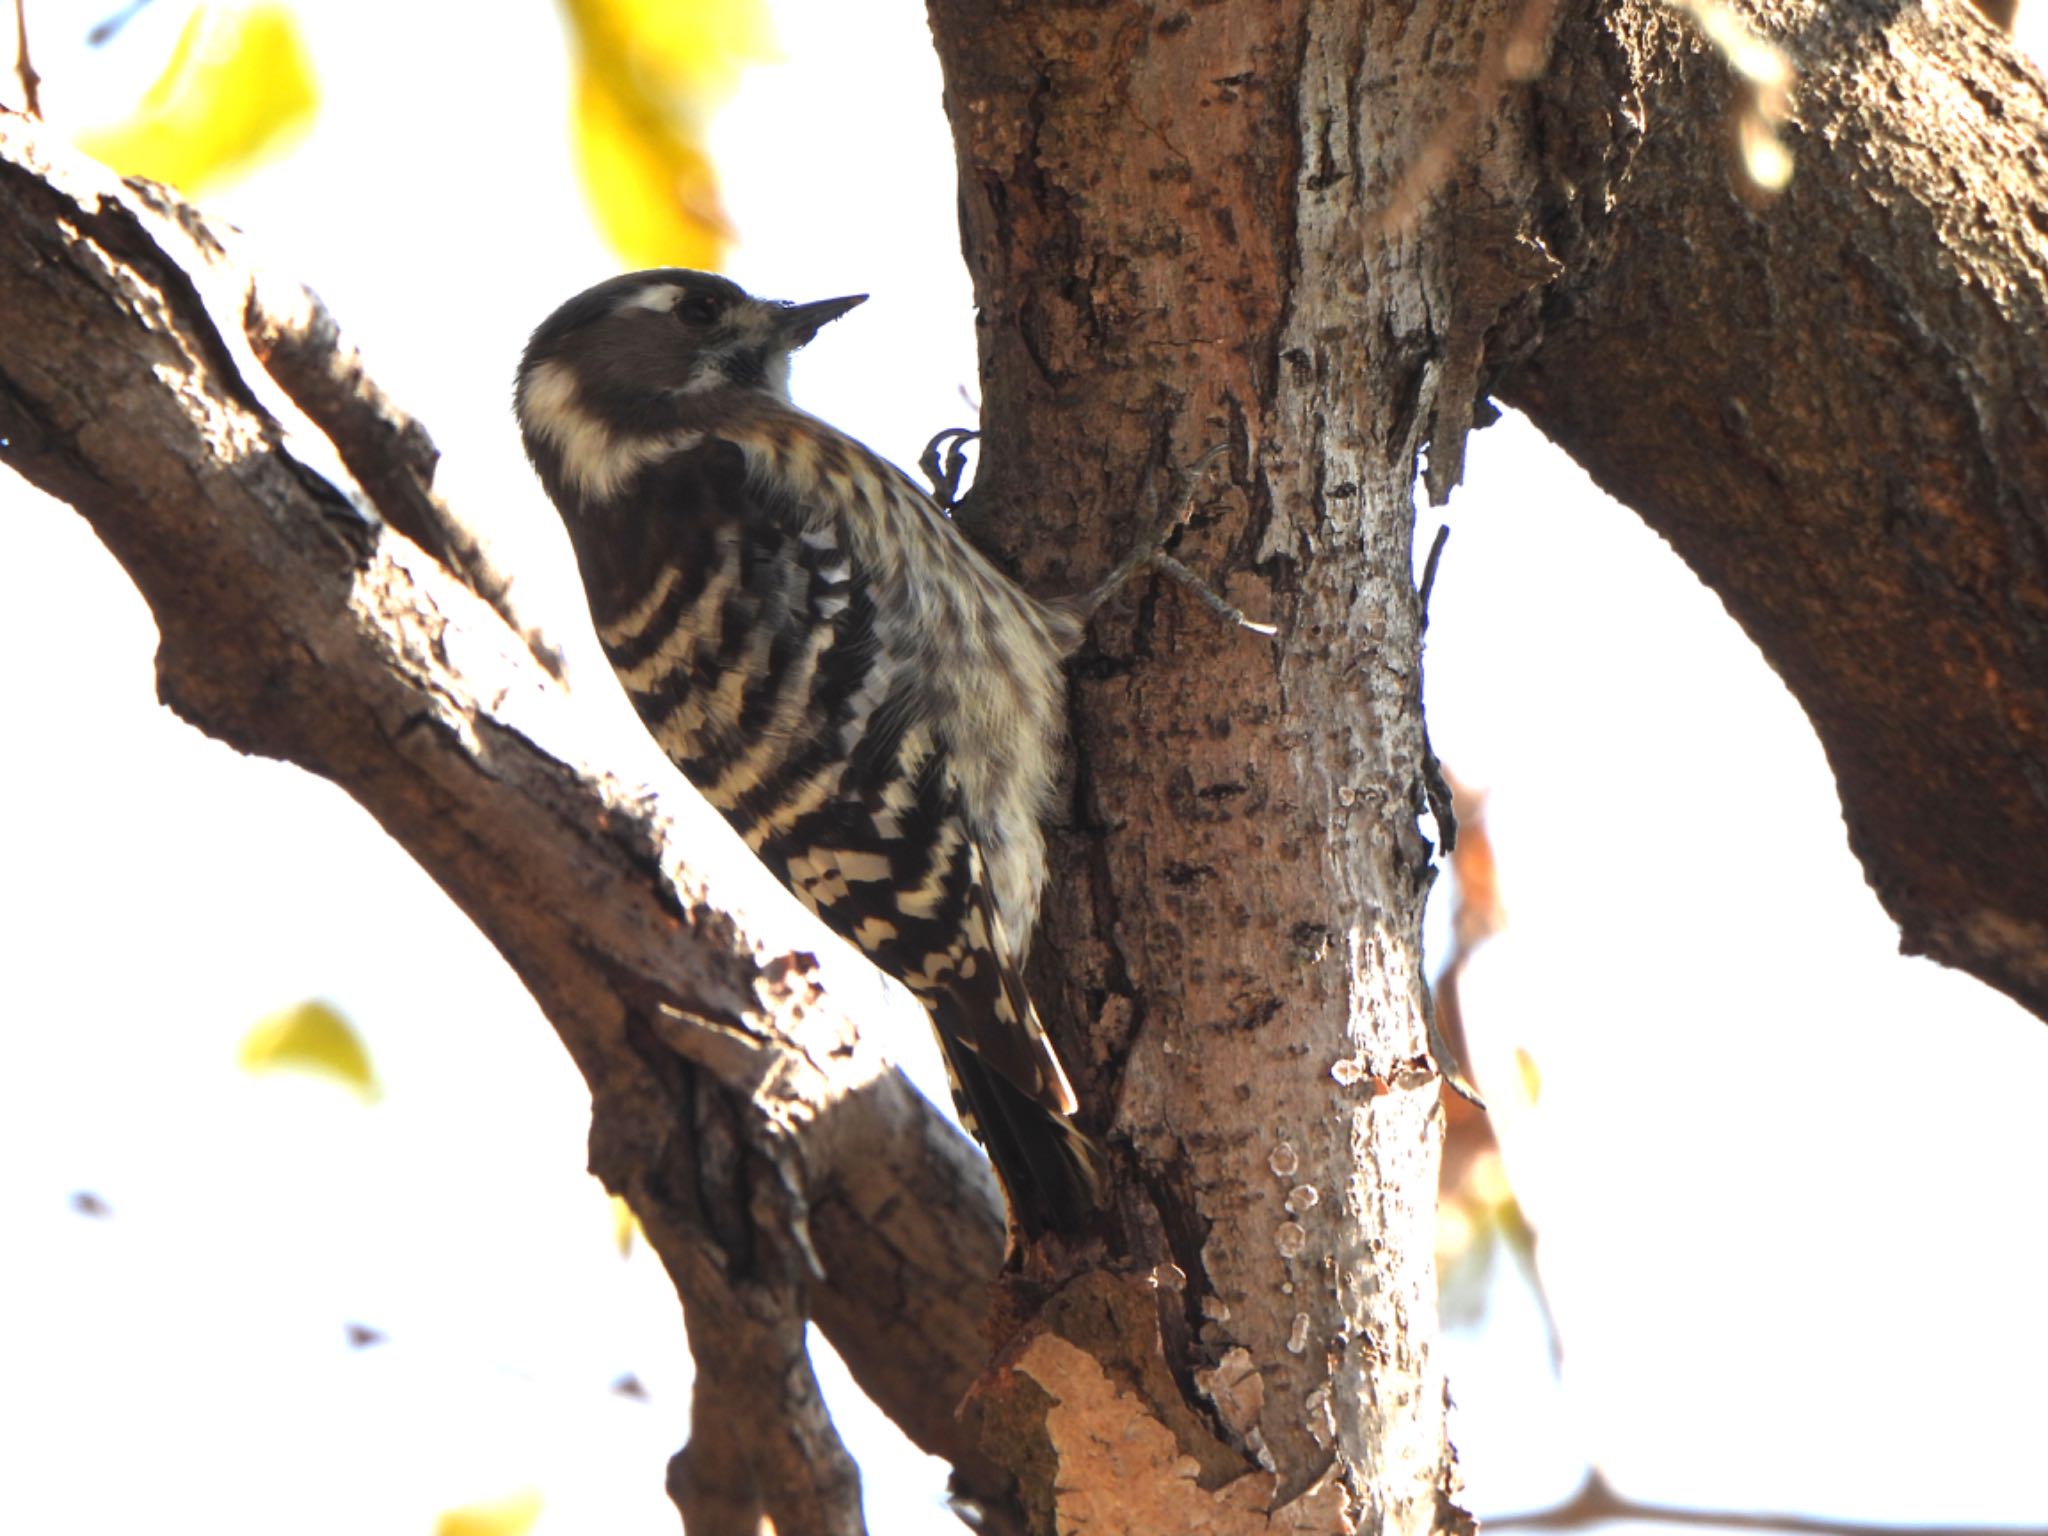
[547, 400]
[596, 462]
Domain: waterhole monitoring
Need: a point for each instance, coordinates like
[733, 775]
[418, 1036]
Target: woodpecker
[870, 703]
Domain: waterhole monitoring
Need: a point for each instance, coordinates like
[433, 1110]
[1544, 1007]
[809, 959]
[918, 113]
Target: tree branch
[385, 449]
[1831, 404]
[1168, 216]
[1596, 1503]
[769, 1152]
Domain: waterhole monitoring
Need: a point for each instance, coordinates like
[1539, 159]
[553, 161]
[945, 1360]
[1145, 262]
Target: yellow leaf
[625, 1225]
[677, 43]
[650, 185]
[510, 1516]
[311, 1037]
[239, 88]
[649, 74]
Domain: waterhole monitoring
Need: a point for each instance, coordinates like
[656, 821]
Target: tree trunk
[1174, 221]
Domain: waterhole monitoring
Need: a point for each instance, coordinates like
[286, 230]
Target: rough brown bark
[770, 1158]
[1170, 217]
[1831, 405]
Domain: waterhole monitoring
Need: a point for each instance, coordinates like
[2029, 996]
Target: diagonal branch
[776, 1163]
[1831, 408]
[387, 451]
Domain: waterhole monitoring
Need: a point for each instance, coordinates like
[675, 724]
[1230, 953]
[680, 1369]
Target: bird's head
[630, 350]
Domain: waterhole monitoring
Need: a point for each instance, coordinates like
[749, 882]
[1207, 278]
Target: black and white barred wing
[924, 914]
[745, 630]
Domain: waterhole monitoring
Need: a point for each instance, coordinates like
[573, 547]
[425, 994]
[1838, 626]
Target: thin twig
[106, 30]
[1596, 1503]
[1155, 537]
[1150, 551]
[388, 451]
[1434, 785]
[1215, 602]
[1436, 553]
[31, 82]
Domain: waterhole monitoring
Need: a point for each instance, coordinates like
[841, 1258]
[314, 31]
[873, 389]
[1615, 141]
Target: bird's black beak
[800, 322]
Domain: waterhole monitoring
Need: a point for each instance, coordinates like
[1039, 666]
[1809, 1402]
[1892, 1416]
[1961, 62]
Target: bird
[866, 698]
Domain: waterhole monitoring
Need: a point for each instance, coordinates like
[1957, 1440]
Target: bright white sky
[1788, 1183]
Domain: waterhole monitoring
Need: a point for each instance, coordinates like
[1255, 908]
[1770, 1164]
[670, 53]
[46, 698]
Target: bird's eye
[698, 309]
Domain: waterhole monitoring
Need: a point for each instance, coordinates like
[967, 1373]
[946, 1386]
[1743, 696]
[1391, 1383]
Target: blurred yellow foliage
[625, 1226]
[680, 43]
[239, 88]
[311, 1037]
[510, 1516]
[649, 73]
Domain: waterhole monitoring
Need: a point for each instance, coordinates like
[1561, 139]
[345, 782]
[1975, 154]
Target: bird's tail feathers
[1052, 1170]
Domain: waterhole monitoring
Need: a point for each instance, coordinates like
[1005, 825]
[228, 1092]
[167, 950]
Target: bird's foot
[944, 461]
[1150, 550]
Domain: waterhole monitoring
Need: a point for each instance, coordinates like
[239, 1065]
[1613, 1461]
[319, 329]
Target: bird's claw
[1151, 550]
[944, 461]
